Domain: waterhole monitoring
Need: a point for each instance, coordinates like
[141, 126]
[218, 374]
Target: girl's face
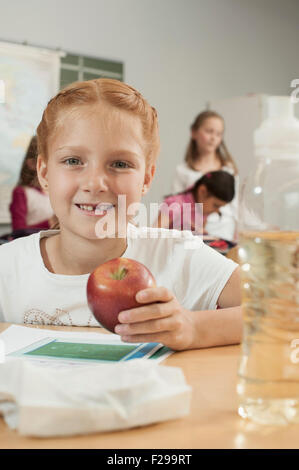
[209, 135]
[93, 158]
[210, 203]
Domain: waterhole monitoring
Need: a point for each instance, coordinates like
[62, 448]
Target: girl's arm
[18, 208]
[162, 319]
[163, 221]
[217, 328]
[222, 326]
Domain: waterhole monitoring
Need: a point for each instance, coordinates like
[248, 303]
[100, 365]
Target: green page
[90, 351]
[66, 350]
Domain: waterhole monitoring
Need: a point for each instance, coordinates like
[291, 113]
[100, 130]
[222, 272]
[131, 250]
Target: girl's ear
[42, 172]
[148, 178]
[202, 193]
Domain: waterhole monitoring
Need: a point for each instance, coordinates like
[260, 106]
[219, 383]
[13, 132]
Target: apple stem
[119, 274]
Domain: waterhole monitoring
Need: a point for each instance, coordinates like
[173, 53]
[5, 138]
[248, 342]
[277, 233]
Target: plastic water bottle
[268, 382]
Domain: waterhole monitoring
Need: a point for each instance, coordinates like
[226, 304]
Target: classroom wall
[179, 53]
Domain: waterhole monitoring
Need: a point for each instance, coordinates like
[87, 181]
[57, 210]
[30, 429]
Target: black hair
[220, 184]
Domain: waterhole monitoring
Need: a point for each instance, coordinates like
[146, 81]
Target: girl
[213, 190]
[98, 142]
[207, 152]
[30, 207]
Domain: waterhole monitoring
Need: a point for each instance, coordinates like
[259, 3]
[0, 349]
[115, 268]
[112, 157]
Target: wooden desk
[212, 423]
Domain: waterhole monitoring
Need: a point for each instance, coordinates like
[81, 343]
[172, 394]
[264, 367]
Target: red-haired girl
[97, 144]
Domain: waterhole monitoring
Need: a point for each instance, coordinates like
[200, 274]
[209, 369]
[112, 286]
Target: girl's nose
[95, 182]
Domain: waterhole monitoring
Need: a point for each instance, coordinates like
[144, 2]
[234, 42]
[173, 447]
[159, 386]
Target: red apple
[112, 288]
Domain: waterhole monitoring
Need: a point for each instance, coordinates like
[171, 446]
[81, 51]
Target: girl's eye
[72, 161]
[120, 164]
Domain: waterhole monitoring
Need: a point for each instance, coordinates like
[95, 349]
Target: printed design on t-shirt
[35, 316]
[61, 317]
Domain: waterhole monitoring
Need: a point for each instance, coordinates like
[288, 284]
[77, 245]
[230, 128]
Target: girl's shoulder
[180, 198]
[22, 190]
[22, 251]
[17, 250]
[183, 167]
[229, 169]
[172, 198]
[18, 190]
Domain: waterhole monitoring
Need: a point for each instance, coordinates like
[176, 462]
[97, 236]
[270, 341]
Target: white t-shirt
[29, 293]
[224, 226]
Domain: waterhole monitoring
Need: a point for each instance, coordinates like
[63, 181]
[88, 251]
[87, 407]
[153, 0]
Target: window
[76, 67]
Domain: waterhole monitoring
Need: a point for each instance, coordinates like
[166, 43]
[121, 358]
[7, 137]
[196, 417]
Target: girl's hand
[161, 320]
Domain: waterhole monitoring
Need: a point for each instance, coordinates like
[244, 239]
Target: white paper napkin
[44, 402]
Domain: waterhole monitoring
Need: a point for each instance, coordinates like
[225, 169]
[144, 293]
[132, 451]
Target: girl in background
[30, 206]
[207, 152]
[213, 190]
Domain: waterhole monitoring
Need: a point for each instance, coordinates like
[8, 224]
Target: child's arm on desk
[162, 319]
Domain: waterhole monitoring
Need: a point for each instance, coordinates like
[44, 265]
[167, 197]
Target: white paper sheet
[17, 339]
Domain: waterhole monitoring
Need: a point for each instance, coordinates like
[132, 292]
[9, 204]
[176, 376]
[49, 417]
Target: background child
[99, 140]
[207, 152]
[214, 190]
[30, 207]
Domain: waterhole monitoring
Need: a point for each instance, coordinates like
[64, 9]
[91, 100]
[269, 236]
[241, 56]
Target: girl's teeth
[98, 210]
[86, 208]
[102, 207]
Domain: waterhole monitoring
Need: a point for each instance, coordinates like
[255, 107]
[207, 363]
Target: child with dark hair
[182, 210]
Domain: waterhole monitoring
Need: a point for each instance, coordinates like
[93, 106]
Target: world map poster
[29, 77]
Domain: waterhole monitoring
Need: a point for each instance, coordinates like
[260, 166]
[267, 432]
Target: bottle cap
[280, 107]
[278, 135]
